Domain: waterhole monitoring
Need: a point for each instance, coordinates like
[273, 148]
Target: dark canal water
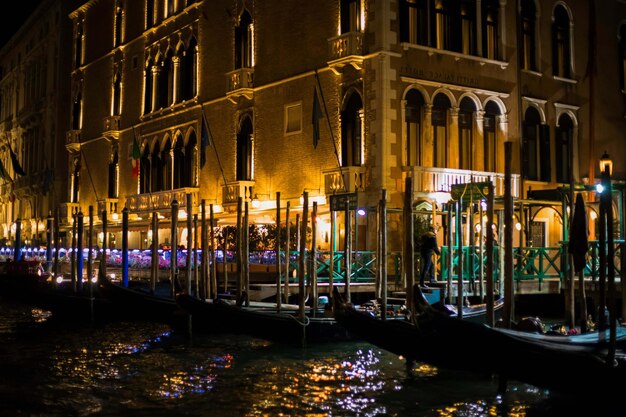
[49, 368]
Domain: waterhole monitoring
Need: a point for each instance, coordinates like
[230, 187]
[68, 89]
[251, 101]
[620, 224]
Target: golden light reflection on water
[196, 381]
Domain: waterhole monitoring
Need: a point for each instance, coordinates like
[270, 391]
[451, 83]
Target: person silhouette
[428, 246]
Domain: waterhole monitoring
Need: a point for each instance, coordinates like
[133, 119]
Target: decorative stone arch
[453, 101]
[420, 88]
[412, 140]
[471, 96]
[537, 104]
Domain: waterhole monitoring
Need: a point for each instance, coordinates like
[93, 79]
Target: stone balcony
[111, 206]
[111, 127]
[161, 201]
[240, 83]
[232, 191]
[345, 49]
[353, 177]
[72, 140]
[66, 213]
[429, 179]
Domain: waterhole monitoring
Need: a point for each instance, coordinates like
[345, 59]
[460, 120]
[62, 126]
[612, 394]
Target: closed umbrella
[578, 246]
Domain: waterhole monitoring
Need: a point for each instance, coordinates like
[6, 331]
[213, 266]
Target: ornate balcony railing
[161, 201]
[441, 179]
[110, 205]
[112, 123]
[345, 179]
[232, 191]
[241, 83]
[66, 213]
[72, 140]
[346, 49]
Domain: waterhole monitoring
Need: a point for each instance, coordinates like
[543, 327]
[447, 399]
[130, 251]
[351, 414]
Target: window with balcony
[352, 131]
[114, 173]
[244, 46]
[245, 150]
[414, 22]
[116, 105]
[490, 148]
[446, 25]
[189, 71]
[170, 7]
[413, 119]
[563, 148]
[561, 43]
[118, 23]
[467, 109]
[351, 16]
[157, 168]
[527, 51]
[490, 23]
[78, 44]
[441, 107]
[536, 147]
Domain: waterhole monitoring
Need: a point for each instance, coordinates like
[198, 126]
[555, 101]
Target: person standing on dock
[428, 246]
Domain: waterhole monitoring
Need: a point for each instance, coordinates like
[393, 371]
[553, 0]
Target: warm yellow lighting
[593, 215]
[518, 226]
[115, 216]
[59, 279]
[605, 162]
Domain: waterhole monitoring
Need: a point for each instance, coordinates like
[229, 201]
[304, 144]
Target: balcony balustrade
[346, 49]
[240, 83]
[161, 201]
[111, 125]
[72, 140]
[66, 213]
[232, 191]
[111, 206]
[429, 180]
[345, 180]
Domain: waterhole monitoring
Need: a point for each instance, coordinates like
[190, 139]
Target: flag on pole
[205, 139]
[17, 168]
[315, 119]
[136, 155]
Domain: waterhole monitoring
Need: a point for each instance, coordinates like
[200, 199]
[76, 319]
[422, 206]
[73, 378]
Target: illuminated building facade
[216, 99]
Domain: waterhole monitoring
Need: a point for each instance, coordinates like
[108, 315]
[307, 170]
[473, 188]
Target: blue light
[599, 188]
[361, 212]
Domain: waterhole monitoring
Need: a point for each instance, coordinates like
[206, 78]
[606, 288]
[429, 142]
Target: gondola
[139, 302]
[262, 320]
[437, 338]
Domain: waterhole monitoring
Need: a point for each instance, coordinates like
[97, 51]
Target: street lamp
[606, 162]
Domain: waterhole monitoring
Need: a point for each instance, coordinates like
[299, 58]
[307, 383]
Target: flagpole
[210, 135]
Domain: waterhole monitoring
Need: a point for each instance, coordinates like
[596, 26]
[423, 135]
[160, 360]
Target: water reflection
[56, 369]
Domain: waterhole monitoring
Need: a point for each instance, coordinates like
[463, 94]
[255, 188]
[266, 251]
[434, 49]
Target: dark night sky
[13, 20]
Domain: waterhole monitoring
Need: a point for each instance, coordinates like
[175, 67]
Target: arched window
[188, 71]
[446, 24]
[145, 171]
[490, 24]
[166, 165]
[441, 105]
[166, 81]
[563, 148]
[350, 16]
[150, 14]
[466, 141]
[413, 118]
[77, 111]
[352, 131]
[156, 171]
[414, 22]
[468, 27]
[561, 53]
[148, 81]
[76, 178]
[536, 147]
[78, 46]
[244, 150]
[116, 109]
[527, 51]
[243, 42]
[113, 174]
[179, 163]
[118, 23]
[490, 143]
[190, 162]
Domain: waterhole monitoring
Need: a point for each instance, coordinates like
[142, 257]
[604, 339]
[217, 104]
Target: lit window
[561, 53]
